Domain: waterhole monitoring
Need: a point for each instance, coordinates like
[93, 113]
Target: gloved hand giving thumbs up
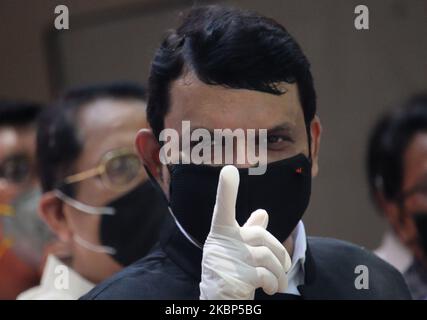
[239, 259]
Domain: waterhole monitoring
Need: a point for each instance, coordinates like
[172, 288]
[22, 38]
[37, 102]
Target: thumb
[258, 218]
[225, 207]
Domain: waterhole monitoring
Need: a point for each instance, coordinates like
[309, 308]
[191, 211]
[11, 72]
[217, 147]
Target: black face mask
[420, 220]
[134, 228]
[283, 191]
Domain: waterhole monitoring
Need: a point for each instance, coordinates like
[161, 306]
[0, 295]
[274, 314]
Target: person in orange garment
[22, 233]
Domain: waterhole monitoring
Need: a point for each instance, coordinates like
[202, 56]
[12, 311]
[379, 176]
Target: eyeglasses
[118, 170]
[16, 169]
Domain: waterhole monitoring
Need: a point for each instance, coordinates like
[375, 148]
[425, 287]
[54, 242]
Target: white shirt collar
[296, 272]
[59, 282]
[394, 252]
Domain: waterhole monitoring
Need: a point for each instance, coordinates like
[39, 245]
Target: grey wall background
[358, 74]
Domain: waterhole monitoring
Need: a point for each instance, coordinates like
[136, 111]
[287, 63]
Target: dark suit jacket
[172, 270]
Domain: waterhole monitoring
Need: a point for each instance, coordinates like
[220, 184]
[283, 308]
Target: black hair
[388, 143]
[232, 48]
[59, 143]
[19, 113]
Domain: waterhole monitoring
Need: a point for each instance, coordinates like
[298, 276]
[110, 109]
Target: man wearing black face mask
[397, 168]
[231, 69]
[96, 195]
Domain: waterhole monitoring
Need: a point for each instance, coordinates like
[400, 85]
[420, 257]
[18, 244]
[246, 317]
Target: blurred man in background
[23, 235]
[97, 198]
[397, 173]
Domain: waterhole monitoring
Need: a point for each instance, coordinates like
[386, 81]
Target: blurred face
[414, 182]
[17, 170]
[106, 125]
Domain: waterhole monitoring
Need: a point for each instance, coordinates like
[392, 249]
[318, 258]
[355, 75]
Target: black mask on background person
[283, 191]
[420, 220]
[134, 229]
[129, 225]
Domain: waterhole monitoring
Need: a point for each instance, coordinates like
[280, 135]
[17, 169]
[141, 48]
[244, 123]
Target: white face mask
[25, 229]
[92, 211]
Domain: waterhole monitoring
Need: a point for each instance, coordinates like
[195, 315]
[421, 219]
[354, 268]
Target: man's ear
[149, 149]
[51, 211]
[316, 133]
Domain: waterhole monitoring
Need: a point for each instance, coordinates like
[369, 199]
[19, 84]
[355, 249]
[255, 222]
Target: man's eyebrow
[285, 126]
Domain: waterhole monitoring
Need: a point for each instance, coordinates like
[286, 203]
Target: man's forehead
[110, 114]
[214, 106]
[12, 137]
[117, 119]
[416, 157]
[286, 127]
[8, 135]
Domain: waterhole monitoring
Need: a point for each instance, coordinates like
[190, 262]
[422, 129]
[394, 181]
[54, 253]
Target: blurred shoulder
[145, 279]
[341, 262]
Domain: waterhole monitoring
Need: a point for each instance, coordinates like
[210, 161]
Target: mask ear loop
[181, 228]
[83, 207]
[184, 232]
[155, 183]
[93, 247]
[89, 210]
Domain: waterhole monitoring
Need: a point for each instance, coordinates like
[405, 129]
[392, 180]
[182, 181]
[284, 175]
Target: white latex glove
[237, 260]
